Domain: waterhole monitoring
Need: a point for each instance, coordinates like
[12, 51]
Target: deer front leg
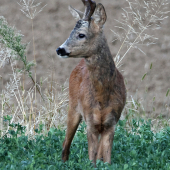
[73, 121]
[92, 145]
[105, 145]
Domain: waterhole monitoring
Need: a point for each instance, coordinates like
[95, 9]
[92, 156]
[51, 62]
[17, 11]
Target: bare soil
[52, 27]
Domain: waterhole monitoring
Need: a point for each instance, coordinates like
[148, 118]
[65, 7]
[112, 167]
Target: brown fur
[96, 89]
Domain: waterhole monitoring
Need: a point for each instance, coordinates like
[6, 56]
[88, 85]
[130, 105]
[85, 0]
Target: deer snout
[62, 52]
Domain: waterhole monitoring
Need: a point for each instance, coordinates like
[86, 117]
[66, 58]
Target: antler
[89, 9]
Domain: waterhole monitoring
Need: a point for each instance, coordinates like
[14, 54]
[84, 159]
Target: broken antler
[89, 9]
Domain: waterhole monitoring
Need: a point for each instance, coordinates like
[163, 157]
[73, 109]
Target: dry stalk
[137, 24]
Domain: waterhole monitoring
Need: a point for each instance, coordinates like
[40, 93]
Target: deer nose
[62, 52]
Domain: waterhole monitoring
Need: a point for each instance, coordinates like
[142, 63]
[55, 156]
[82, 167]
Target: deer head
[87, 36]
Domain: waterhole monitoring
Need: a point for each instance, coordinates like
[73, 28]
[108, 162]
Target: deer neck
[101, 69]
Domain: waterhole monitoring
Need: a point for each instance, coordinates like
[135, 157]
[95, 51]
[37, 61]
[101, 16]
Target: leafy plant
[11, 39]
[139, 148]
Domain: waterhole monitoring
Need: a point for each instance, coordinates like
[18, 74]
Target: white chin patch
[65, 56]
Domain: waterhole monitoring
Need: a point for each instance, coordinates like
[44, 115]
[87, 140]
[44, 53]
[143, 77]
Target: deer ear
[100, 15]
[75, 13]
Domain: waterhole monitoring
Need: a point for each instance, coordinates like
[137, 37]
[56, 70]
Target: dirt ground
[52, 27]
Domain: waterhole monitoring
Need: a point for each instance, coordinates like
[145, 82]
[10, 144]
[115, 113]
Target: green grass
[137, 149]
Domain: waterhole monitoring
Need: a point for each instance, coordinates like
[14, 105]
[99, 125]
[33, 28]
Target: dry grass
[139, 19]
[22, 105]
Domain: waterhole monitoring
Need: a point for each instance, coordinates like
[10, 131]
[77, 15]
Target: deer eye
[81, 35]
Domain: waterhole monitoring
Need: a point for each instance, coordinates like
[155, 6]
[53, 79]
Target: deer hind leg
[73, 121]
[92, 145]
[100, 150]
[105, 145]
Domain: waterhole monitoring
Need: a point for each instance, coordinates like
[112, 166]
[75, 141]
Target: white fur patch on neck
[65, 56]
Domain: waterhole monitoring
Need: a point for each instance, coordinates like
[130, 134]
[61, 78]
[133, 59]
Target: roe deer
[96, 88]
